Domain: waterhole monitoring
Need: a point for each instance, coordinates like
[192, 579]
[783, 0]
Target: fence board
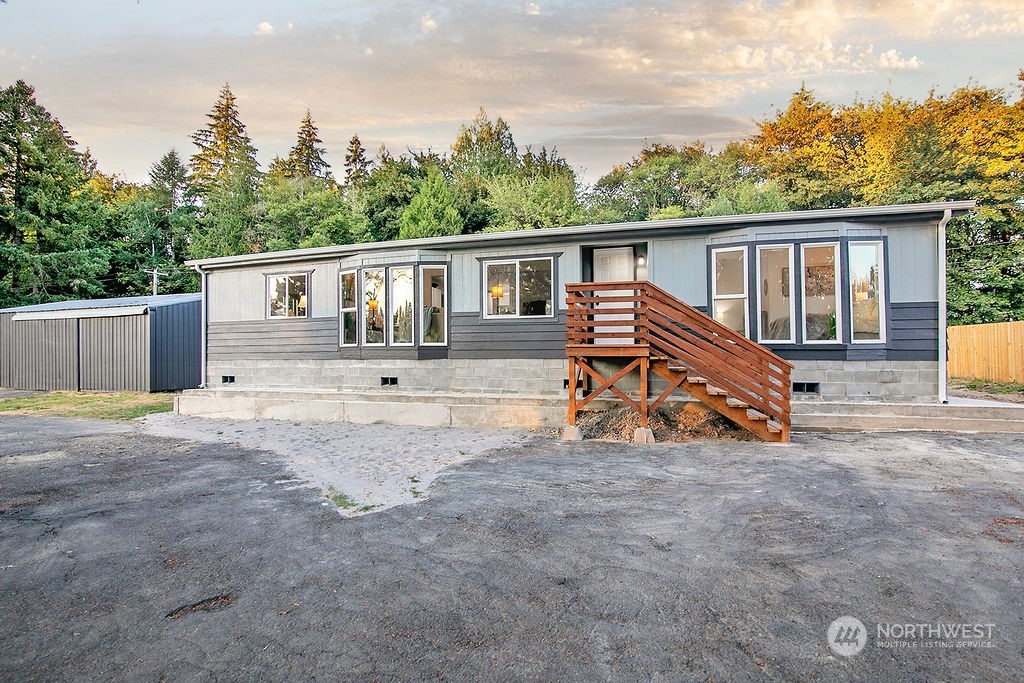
[994, 351]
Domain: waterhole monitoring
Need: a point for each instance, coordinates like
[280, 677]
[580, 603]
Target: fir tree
[357, 166]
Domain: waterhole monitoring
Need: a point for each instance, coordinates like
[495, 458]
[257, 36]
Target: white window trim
[792, 295]
[353, 309]
[716, 297]
[389, 277]
[837, 267]
[485, 307]
[880, 250]
[273, 276]
[422, 303]
[362, 307]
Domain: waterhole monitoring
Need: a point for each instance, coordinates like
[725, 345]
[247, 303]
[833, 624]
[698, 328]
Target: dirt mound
[684, 421]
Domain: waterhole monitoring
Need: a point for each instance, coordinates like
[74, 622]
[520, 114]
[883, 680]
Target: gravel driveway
[126, 556]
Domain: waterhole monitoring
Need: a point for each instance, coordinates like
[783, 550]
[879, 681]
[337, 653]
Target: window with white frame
[401, 306]
[522, 288]
[820, 288]
[348, 310]
[867, 295]
[286, 295]
[433, 295]
[729, 287]
[374, 306]
[776, 308]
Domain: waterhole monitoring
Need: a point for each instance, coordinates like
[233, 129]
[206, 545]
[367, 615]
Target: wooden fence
[994, 351]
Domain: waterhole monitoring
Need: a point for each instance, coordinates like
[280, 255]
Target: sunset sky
[130, 79]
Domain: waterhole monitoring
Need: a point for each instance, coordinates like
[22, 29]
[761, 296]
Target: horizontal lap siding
[303, 338]
[473, 337]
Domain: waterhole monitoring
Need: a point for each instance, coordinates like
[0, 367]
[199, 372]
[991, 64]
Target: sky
[130, 79]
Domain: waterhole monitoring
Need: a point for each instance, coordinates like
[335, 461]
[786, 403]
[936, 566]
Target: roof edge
[695, 223]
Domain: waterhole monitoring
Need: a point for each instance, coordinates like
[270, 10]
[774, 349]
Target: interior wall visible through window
[820, 282]
[374, 306]
[401, 306]
[729, 287]
[522, 288]
[433, 292]
[867, 296]
[348, 309]
[775, 293]
[286, 295]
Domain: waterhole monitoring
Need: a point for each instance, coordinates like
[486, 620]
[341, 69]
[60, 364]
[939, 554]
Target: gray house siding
[474, 337]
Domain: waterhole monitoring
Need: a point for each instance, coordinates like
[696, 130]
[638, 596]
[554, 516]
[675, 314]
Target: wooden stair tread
[735, 402]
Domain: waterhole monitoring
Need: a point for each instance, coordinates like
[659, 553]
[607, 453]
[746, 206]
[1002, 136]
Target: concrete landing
[959, 415]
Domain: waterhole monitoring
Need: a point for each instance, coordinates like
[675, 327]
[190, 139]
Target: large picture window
[519, 289]
[393, 306]
[867, 298]
[286, 295]
[775, 293]
[401, 306]
[729, 288]
[374, 306]
[820, 283]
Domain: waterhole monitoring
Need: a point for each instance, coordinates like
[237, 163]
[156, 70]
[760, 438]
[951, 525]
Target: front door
[614, 264]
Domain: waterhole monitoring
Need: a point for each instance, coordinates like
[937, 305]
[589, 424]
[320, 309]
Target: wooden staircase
[657, 333]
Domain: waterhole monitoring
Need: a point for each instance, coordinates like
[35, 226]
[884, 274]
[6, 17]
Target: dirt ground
[125, 556]
[674, 422]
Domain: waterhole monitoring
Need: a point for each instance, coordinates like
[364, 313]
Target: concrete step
[980, 416]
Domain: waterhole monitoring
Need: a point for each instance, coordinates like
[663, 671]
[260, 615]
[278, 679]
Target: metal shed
[145, 343]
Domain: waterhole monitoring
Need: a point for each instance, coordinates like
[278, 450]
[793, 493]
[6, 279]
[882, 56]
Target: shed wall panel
[114, 353]
[39, 354]
[175, 339]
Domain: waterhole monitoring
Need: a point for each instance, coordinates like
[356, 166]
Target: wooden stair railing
[742, 380]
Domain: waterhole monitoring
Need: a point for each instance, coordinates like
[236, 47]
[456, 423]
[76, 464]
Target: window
[433, 293]
[866, 295]
[729, 288]
[401, 306]
[820, 284]
[775, 293]
[286, 296]
[374, 307]
[348, 309]
[519, 289]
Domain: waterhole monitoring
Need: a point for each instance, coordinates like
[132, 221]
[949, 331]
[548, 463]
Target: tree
[385, 195]
[226, 175]
[482, 150]
[170, 182]
[303, 212]
[306, 157]
[541, 193]
[49, 215]
[357, 166]
[431, 212]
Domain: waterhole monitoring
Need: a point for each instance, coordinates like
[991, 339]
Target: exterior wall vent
[227, 379]
[389, 381]
[806, 387]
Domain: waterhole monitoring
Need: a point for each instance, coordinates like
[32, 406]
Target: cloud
[428, 24]
[891, 59]
[532, 9]
[265, 29]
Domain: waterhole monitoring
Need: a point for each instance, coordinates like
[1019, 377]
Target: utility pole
[155, 273]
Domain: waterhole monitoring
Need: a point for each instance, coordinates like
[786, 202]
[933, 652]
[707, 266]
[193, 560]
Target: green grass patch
[987, 386]
[104, 406]
[340, 499]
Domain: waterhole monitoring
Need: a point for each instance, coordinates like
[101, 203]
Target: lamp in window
[302, 304]
[372, 305]
[497, 291]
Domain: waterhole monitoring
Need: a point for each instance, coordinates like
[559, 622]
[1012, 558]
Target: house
[144, 343]
[472, 329]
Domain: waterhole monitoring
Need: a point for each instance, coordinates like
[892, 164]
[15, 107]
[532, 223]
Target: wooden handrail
[679, 333]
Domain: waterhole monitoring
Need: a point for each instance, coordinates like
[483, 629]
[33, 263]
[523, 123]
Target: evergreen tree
[169, 181]
[49, 215]
[357, 166]
[306, 158]
[386, 193]
[226, 176]
[431, 212]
